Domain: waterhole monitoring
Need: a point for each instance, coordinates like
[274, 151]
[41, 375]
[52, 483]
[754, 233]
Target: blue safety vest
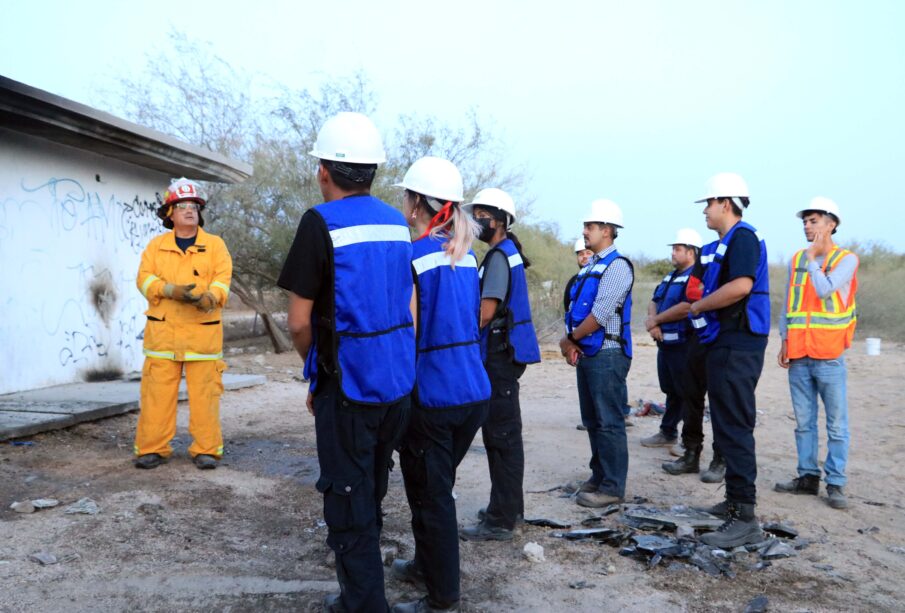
[516, 309]
[584, 292]
[669, 293]
[757, 303]
[449, 369]
[373, 335]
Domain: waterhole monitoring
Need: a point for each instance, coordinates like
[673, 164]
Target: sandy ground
[248, 536]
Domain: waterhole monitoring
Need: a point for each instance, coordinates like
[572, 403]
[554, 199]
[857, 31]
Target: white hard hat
[496, 198]
[349, 137]
[605, 211]
[823, 205]
[579, 245]
[688, 236]
[434, 177]
[726, 185]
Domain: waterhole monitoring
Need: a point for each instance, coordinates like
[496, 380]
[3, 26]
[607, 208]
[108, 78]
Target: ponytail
[451, 221]
[511, 236]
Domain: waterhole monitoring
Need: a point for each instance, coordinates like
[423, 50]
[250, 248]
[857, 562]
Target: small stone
[758, 605]
[900, 550]
[610, 569]
[259, 360]
[45, 503]
[534, 552]
[23, 507]
[684, 531]
[84, 506]
[43, 558]
[389, 553]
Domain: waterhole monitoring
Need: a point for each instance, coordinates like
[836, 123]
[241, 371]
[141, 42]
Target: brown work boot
[596, 500]
[805, 485]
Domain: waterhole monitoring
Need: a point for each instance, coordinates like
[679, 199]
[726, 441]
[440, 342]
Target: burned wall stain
[103, 297]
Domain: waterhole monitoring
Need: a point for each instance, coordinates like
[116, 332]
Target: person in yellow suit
[185, 275]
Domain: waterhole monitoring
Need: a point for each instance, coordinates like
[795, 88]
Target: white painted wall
[70, 246]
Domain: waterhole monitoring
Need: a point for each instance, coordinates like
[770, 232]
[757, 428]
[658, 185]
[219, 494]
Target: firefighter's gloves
[207, 302]
[180, 293]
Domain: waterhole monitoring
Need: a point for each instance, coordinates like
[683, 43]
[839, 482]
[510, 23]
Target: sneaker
[677, 450]
[807, 484]
[405, 570]
[658, 440]
[716, 472]
[421, 606]
[485, 532]
[740, 528]
[836, 497]
[149, 460]
[596, 500]
[205, 461]
[688, 463]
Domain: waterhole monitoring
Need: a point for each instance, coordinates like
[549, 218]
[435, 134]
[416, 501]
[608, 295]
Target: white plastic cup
[873, 345]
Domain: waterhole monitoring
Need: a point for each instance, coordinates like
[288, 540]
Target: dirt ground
[249, 535]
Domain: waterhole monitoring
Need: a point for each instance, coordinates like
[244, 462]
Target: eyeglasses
[188, 204]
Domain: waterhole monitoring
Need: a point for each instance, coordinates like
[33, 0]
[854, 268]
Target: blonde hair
[458, 228]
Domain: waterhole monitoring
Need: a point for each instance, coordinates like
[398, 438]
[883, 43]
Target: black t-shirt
[185, 243]
[307, 273]
[741, 260]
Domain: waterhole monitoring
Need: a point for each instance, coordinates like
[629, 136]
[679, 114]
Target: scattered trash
[871, 530]
[22, 443]
[874, 503]
[777, 549]
[672, 518]
[780, 529]
[581, 585]
[24, 506]
[606, 535]
[684, 531]
[547, 523]
[84, 506]
[596, 519]
[43, 558]
[758, 605]
[45, 503]
[534, 552]
[69, 557]
[900, 550]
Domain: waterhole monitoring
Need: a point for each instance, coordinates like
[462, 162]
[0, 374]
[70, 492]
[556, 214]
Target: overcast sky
[639, 102]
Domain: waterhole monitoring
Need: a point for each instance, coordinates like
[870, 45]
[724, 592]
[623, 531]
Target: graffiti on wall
[86, 243]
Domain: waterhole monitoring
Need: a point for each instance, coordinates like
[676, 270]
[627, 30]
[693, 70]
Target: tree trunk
[278, 338]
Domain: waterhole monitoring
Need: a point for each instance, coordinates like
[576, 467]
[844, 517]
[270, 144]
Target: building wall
[72, 229]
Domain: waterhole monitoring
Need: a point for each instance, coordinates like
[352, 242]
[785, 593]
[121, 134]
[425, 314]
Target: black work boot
[688, 463]
[716, 472]
[205, 462]
[720, 509]
[421, 606]
[808, 484]
[149, 460]
[482, 531]
[519, 519]
[405, 570]
[740, 528]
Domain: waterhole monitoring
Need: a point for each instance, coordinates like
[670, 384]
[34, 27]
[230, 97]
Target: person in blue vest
[349, 278]
[452, 391]
[582, 255]
[732, 320]
[508, 344]
[598, 343]
[668, 325]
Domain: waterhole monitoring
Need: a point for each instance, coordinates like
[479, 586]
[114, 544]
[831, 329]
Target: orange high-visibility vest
[819, 328]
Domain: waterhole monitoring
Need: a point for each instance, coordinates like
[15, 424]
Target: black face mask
[486, 231]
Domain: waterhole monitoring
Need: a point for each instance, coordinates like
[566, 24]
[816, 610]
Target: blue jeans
[809, 378]
[602, 395]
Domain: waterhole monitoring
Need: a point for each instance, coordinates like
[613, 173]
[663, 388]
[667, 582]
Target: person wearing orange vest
[817, 328]
[185, 275]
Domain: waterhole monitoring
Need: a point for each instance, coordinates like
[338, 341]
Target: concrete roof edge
[71, 123]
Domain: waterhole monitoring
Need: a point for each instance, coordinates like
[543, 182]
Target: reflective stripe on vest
[449, 369]
[670, 292]
[584, 293]
[757, 302]
[819, 328]
[516, 308]
[374, 339]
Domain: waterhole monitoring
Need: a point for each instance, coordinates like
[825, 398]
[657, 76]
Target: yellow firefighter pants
[159, 393]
